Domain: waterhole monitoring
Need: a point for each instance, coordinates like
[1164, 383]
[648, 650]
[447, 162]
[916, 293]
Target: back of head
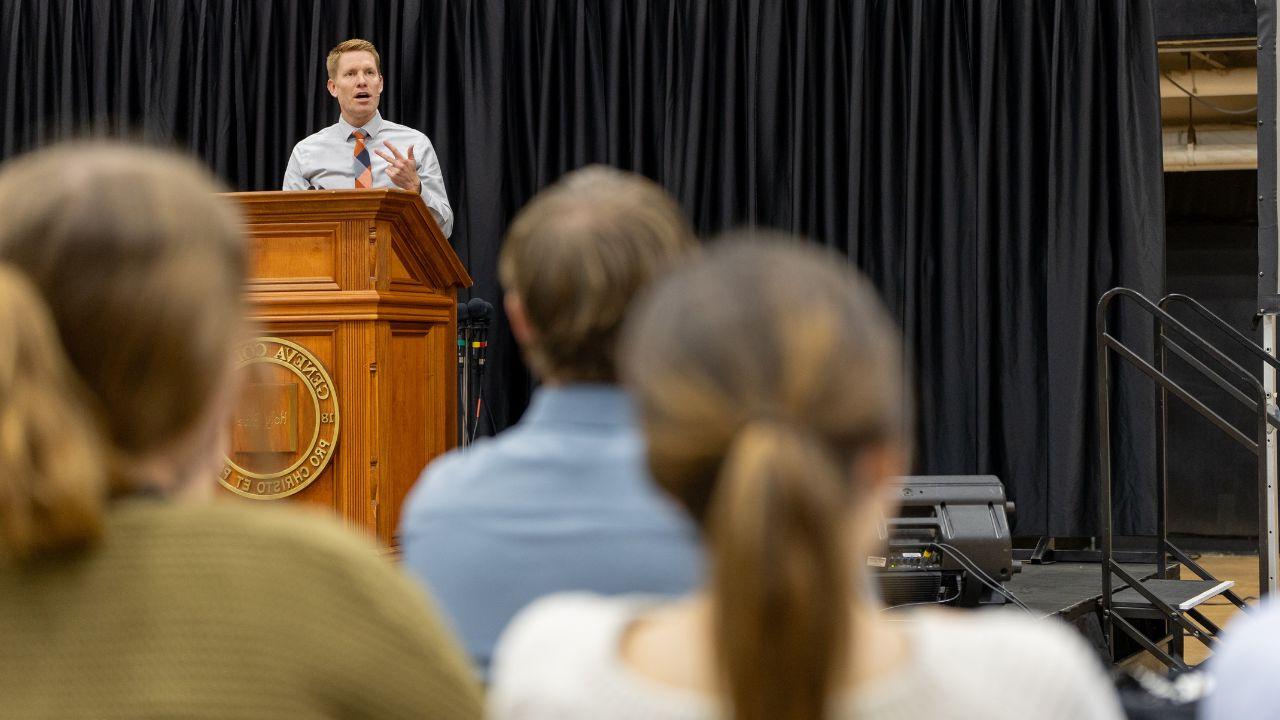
[577, 255]
[141, 268]
[762, 373]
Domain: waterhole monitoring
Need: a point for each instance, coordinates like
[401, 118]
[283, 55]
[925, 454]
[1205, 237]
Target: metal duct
[1216, 147]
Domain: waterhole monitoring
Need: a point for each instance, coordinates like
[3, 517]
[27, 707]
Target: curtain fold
[993, 165]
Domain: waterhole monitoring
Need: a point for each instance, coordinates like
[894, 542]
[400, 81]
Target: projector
[947, 543]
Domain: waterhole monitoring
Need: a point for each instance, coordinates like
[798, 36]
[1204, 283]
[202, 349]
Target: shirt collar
[581, 403]
[372, 127]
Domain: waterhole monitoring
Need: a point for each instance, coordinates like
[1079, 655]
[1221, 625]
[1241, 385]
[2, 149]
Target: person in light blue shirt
[362, 150]
[562, 500]
[1245, 668]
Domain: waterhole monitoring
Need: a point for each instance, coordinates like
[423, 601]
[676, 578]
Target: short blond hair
[352, 45]
[578, 254]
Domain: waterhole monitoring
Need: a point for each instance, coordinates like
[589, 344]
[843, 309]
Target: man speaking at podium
[363, 150]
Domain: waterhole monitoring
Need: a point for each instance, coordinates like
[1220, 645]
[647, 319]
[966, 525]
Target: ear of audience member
[770, 387]
[121, 595]
[562, 499]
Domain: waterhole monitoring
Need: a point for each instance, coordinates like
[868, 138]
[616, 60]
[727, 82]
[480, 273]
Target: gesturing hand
[402, 170]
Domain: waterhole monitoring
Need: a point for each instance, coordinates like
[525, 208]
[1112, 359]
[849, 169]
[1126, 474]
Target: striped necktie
[361, 166]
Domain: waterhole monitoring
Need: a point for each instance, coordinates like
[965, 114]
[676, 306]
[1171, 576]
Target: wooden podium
[352, 385]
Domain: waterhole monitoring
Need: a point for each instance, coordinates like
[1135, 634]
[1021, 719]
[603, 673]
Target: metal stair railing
[1198, 626]
[1268, 507]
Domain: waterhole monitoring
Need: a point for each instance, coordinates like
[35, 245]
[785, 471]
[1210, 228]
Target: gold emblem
[287, 398]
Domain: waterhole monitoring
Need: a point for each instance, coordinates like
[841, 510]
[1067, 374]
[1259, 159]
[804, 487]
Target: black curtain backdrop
[993, 165]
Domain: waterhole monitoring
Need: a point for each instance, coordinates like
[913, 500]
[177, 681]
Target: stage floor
[1071, 591]
[1064, 589]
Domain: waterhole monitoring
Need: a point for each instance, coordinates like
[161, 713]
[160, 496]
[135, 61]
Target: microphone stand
[464, 374]
[480, 343]
[480, 312]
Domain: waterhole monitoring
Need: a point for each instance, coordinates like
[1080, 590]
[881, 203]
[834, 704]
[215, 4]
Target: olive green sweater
[224, 611]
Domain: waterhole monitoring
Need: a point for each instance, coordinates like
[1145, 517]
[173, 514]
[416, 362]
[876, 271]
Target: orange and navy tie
[361, 167]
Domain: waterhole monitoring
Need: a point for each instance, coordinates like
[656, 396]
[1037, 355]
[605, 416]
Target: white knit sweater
[559, 659]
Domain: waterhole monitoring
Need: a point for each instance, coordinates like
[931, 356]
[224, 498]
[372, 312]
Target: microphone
[475, 307]
[480, 312]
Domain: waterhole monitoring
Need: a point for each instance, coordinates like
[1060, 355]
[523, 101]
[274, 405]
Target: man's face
[357, 84]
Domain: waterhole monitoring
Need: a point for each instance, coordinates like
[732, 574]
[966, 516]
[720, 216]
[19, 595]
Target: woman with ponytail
[769, 384]
[123, 593]
[51, 480]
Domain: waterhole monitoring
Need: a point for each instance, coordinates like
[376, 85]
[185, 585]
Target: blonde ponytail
[780, 578]
[756, 416]
[52, 480]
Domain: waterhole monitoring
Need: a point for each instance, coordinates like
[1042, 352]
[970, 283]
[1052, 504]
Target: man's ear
[333, 87]
[518, 319]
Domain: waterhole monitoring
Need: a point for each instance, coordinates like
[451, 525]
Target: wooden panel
[320, 340]
[403, 214]
[357, 378]
[398, 270]
[401, 277]
[444, 376]
[354, 305]
[266, 419]
[295, 256]
[412, 417]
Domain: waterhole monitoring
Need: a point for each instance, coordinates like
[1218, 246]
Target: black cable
[981, 575]
[482, 405]
[943, 601]
[475, 426]
[1208, 104]
[493, 424]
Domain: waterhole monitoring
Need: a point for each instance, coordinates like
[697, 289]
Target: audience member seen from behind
[121, 275]
[562, 500]
[776, 431]
[1245, 668]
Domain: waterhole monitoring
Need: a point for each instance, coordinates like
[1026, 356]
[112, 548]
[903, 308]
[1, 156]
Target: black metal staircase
[1126, 598]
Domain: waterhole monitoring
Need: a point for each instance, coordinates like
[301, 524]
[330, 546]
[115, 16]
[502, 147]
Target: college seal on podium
[285, 428]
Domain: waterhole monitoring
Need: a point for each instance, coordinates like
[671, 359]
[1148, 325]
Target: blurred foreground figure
[1245, 668]
[562, 500]
[768, 382]
[122, 595]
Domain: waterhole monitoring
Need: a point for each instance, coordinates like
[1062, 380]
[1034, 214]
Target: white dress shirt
[325, 161]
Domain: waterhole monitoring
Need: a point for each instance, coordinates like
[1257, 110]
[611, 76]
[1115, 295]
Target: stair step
[1181, 594]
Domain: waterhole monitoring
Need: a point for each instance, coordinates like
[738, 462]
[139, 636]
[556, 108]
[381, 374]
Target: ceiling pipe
[1216, 147]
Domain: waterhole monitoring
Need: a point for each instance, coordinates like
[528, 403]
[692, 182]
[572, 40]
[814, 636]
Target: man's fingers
[400, 169]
